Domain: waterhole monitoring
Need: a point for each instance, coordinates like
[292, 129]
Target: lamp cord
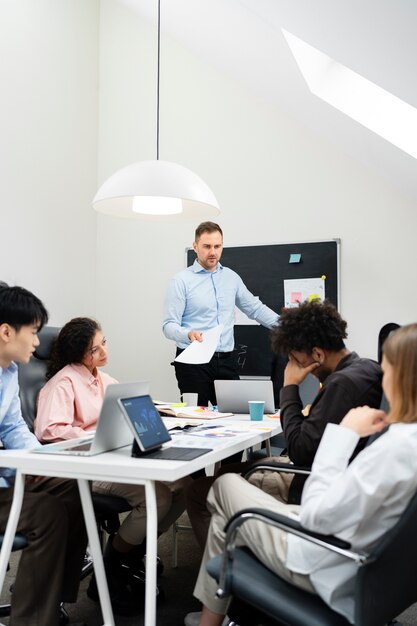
[157, 80]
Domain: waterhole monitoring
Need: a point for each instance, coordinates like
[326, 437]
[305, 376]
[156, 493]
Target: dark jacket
[355, 382]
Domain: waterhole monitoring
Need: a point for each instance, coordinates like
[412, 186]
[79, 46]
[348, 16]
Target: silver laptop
[112, 430]
[233, 395]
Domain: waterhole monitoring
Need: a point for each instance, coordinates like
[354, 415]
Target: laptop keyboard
[176, 454]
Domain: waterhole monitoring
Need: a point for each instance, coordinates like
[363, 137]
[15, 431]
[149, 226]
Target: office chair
[32, 375]
[385, 583]
[385, 331]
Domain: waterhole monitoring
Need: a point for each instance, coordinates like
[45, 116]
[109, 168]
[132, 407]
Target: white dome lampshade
[156, 190]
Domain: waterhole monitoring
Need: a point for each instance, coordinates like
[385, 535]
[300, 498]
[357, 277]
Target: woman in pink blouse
[68, 407]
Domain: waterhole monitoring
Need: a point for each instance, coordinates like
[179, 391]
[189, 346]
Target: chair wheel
[88, 566]
[63, 616]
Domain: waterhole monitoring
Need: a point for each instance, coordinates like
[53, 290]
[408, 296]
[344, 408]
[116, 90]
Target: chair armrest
[274, 466]
[282, 522]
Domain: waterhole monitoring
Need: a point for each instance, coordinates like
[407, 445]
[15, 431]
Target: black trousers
[200, 378]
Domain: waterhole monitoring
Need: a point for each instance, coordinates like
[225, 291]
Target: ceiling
[375, 38]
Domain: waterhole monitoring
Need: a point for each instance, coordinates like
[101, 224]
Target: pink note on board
[296, 297]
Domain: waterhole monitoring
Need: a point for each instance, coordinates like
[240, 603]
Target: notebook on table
[112, 431]
[191, 412]
[233, 395]
[150, 433]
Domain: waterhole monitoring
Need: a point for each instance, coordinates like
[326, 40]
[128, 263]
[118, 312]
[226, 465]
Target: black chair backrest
[32, 375]
[383, 335]
[386, 330]
[388, 585]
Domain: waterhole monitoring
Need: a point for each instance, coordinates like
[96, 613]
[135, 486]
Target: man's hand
[294, 373]
[195, 335]
[365, 421]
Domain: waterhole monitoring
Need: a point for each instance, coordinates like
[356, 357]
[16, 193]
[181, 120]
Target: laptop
[233, 395]
[111, 433]
[150, 433]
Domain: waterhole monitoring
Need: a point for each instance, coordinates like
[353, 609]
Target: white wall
[48, 148]
[274, 180]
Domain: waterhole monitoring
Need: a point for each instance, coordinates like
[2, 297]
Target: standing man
[51, 516]
[201, 297]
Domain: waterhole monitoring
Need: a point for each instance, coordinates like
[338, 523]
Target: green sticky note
[295, 258]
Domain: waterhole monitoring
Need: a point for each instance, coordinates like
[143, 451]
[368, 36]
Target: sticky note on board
[295, 258]
[296, 297]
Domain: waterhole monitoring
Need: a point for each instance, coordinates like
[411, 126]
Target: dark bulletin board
[263, 269]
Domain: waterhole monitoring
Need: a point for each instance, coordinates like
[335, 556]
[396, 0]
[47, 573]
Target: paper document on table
[201, 351]
[193, 412]
[183, 424]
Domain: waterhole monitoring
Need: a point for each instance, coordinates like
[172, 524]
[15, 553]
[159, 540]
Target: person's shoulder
[367, 368]
[183, 275]
[353, 364]
[11, 371]
[9, 378]
[406, 431]
[358, 377]
[63, 379]
[228, 272]
[397, 439]
[68, 374]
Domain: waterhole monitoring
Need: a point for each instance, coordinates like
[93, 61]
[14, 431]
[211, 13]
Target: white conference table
[119, 466]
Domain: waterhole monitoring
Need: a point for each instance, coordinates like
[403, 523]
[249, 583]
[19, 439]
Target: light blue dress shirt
[199, 300]
[14, 432]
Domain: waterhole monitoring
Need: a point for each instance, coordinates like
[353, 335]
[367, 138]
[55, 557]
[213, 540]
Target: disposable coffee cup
[256, 410]
[190, 399]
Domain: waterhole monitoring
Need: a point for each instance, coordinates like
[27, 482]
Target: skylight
[359, 98]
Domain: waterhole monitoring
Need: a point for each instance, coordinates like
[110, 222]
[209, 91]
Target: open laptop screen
[233, 395]
[145, 421]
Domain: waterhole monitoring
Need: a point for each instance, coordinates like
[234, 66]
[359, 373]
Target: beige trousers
[231, 493]
[170, 503]
[277, 484]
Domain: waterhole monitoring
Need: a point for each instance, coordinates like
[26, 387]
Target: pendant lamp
[156, 189]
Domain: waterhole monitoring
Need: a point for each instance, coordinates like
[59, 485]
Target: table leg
[94, 542]
[268, 447]
[151, 541]
[6, 548]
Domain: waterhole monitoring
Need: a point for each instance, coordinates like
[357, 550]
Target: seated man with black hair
[312, 337]
[51, 517]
